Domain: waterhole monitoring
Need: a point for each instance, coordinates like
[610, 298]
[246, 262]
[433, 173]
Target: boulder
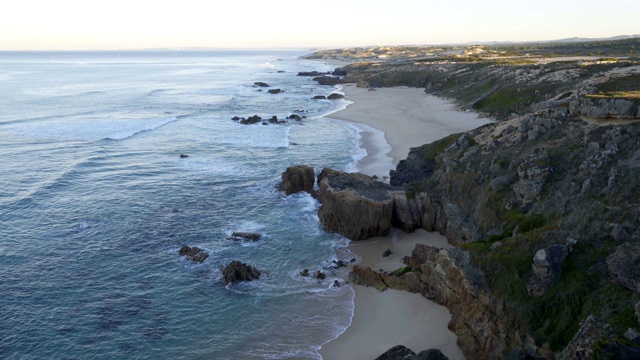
[305, 272]
[294, 117]
[547, 269]
[335, 96]
[273, 120]
[261, 84]
[623, 265]
[194, 253]
[398, 352]
[274, 91]
[431, 354]
[237, 271]
[320, 97]
[183, 156]
[296, 179]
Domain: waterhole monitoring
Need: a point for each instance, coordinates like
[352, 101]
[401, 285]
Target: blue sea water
[95, 203]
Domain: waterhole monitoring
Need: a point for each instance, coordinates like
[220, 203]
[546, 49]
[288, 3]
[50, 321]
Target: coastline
[406, 116]
[392, 121]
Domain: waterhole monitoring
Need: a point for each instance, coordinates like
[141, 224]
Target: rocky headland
[543, 205]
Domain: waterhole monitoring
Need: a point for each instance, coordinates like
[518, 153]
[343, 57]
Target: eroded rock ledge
[359, 206]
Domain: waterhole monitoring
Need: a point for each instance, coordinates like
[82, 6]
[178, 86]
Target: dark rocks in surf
[335, 96]
[183, 156]
[241, 235]
[328, 80]
[294, 117]
[238, 271]
[319, 275]
[312, 73]
[296, 179]
[194, 253]
[275, 91]
[305, 272]
[320, 97]
[248, 121]
[261, 84]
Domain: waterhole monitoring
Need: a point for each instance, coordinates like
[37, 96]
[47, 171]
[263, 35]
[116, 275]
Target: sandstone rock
[547, 269]
[238, 271]
[354, 205]
[194, 253]
[363, 275]
[296, 179]
[623, 265]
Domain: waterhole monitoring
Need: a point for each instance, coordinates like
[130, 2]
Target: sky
[135, 24]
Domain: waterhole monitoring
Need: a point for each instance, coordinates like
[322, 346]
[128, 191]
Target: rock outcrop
[354, 205]
[243, 235]
[237, 271]
[296, 179]
[194, 253]
[624, 265]
[547, 269]
[605, 108]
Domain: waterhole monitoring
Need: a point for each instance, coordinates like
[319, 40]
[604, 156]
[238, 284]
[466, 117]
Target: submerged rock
[194, 253]
[274, 91]
[238, 271]
[183, 156]
[261, 84]
[240, 235]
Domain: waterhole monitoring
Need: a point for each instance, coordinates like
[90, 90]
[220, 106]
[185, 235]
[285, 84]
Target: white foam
[91, 129]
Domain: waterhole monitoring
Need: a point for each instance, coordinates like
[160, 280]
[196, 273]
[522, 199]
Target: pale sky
[127, 24]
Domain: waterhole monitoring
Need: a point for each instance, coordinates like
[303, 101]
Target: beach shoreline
[392, 121]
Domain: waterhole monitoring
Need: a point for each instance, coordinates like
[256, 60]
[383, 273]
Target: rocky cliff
[543, 204]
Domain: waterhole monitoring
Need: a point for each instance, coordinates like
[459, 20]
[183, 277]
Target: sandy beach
[393, 120]
[408, 118]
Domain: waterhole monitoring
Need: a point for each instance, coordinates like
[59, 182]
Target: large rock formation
[296, 179]
[238, 271]
[354, 205]
[448, 278]
[605, 108]
[194, 253]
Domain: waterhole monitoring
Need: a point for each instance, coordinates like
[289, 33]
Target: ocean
[95, 203]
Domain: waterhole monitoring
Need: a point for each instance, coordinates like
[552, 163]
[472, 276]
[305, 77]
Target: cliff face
[449, 278]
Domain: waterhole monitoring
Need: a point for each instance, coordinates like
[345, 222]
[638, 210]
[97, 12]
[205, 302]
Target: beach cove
[408, 118]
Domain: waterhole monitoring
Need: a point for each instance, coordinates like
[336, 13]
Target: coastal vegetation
[551, 174]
